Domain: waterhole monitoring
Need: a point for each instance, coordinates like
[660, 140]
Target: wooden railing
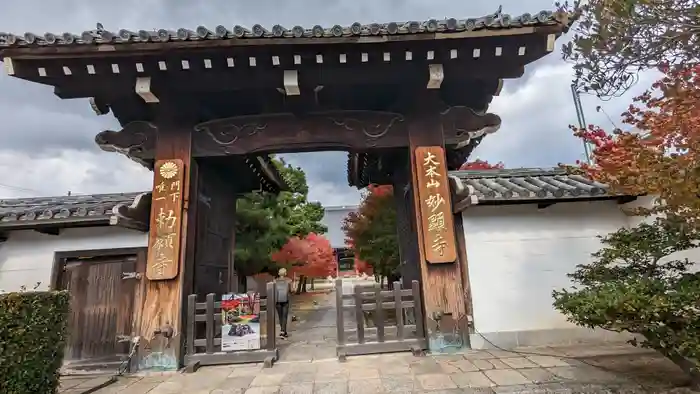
[203, 344]
[380, 318]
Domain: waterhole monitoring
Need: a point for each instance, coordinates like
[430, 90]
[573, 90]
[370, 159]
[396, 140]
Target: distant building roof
[511, 185]
[530, 184]
[18, 213]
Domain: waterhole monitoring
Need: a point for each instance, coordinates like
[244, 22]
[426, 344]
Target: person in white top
[284, 290]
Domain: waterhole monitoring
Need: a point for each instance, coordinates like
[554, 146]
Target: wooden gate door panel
[101, 306]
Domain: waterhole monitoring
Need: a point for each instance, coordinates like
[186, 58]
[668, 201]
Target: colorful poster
[240, 328]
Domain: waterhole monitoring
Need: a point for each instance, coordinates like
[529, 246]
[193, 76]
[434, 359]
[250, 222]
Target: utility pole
[581, 119]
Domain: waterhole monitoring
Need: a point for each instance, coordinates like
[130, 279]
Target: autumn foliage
[634, 283]
[371, 233]
[658, 154]
[481, 165]
[311, 256]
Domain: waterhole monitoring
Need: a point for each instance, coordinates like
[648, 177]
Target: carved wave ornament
[137, 141]
[373, 129]
[460, 125]
[329, 129]
[134, 215]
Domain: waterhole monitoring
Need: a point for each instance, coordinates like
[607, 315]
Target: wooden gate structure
[204, 108]
[380, 320]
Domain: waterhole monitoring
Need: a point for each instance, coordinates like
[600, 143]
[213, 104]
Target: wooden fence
[207, 350]
[380, 320]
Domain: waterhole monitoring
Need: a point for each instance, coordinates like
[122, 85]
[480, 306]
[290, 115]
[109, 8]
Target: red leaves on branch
[362, 267]
[311, 256]
[371, 232]
[481, 165]
[658, 154]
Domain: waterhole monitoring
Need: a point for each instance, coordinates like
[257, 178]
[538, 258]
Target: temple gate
[205, 108]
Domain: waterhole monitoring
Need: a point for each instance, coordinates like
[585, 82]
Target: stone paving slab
[467, 372]
[79, 384]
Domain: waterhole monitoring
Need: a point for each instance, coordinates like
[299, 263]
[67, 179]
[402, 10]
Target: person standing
[284, 291]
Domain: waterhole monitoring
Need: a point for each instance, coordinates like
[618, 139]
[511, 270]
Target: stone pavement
[79, 384]
[313, 337]
[468, 372]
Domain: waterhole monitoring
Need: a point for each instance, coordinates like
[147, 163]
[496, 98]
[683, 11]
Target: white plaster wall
[518, 254]
[647, 202]
[27, 256]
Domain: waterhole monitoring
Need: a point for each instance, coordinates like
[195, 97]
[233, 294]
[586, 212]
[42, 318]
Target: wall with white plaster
[518, 254]
[27, 256]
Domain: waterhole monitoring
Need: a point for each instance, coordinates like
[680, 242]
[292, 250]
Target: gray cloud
[46, 144]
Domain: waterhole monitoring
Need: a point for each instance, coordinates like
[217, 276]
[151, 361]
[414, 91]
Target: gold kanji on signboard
[435, 207]
[166, 226]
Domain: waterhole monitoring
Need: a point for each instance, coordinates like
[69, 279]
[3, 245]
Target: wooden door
[102, 304]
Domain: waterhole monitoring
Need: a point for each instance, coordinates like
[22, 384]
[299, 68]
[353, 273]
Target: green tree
[614, 40]
[371, 232]
[636, 285]
[266, 221]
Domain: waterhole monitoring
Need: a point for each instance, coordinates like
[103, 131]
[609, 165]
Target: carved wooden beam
[135, 215]
[463, 196]
[458, 156]
[461, 125]
[286, 132]
[137, 141]
[99, 106]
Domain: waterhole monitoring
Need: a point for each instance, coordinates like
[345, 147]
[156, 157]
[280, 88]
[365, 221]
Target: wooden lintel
[456, 72]
[288, 132]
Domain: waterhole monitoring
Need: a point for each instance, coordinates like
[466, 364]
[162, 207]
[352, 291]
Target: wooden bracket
[551, 38]
[436, 76]
[499, 87]
[143, 89]
[291, 82]
[9, 65]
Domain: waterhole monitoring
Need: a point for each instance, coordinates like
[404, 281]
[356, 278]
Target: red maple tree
[371, 232]
[311, 256]
[659, 153]
[481, 165]
[362, 267]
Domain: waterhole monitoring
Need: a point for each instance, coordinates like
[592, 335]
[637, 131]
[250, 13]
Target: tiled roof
[63, 208]
[530, 184]
[497, 20]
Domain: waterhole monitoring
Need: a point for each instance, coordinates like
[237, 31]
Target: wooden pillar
[159, 311]
[405, 222]
[443, 293]
[232, 280]
[215, 231]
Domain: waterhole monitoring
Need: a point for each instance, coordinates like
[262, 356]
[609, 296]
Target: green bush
[32, 341]
[634, 285]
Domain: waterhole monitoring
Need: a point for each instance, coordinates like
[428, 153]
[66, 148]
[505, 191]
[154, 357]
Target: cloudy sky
[47, 145]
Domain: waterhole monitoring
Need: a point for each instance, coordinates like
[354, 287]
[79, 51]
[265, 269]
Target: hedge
[32, 341]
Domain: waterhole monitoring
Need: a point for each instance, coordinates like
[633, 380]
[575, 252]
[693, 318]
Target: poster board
[240, 326]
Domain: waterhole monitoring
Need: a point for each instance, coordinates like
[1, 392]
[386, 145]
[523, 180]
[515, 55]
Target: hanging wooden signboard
[166, 224]
[435, 205]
